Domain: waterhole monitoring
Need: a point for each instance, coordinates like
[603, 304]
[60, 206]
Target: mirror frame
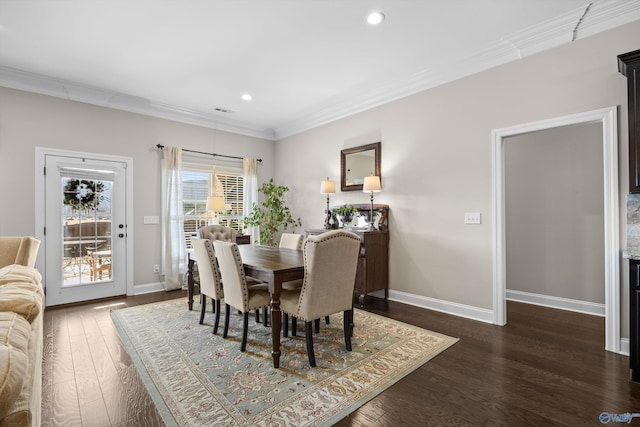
[376, 146]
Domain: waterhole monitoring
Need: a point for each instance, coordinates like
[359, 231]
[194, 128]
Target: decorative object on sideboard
[215, 204]
[346, 214]
[371, 185]
[327, 187]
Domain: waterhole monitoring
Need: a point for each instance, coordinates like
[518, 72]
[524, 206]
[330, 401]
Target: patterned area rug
[197, 378]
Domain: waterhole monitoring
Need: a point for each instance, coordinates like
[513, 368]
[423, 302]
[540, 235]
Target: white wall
[29, 120]
[436, 161]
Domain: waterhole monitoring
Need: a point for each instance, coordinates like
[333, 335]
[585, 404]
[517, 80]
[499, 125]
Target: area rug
[197, 378]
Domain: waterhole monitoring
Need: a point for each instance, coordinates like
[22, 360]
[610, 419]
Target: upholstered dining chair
[330, 263]
[217, 232]
[295, 241]
[237, 293]
[210, 284]
[291, 241]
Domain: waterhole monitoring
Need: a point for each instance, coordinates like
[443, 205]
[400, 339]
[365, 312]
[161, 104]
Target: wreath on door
[82, 194]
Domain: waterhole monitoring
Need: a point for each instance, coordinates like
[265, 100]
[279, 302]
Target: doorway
[83, 209]
[608, 119]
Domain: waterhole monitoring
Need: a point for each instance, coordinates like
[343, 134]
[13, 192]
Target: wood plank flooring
[546, 367]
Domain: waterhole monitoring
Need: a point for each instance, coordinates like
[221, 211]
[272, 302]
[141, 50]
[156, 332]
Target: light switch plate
[152, 220]
[472, 218]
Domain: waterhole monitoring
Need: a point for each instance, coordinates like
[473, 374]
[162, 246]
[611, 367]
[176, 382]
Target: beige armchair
[237, 292]
[210, 284]
[217, 232]
[19, 250]
[330, 264]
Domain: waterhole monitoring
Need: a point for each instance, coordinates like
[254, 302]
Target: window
[197, 184]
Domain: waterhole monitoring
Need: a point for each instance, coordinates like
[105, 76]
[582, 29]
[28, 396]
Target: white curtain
[174, 243]
[250, 195]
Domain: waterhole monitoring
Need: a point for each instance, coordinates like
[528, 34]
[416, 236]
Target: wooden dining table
[271, 265]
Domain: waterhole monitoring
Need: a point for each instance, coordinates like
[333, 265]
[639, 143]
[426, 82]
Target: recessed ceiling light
[375, 18]
[246, 97]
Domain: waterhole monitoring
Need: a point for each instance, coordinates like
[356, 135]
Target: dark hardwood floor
[546, 367]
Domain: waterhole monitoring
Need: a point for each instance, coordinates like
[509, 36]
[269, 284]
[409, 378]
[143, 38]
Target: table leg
[276, 319]
[190, 284]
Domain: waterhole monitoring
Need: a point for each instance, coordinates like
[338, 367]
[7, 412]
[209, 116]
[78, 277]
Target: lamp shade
[215, 203]
[327, 187]
[371, 184]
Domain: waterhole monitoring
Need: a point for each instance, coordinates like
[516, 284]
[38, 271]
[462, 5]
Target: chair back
[217, 232]
[234, 282]
[19, 250]
[330, 264]
[205, 256]
[291, 241]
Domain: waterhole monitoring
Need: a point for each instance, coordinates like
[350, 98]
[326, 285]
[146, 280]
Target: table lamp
[371, 185]
[327, 187]
[215, 204]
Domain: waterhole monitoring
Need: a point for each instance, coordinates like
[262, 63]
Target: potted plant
[272, 215]
[345, 213]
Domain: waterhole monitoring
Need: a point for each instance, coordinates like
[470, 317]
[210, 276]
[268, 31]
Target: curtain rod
[208, 154]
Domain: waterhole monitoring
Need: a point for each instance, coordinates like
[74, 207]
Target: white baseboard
[557, 302]
[467, 311]
[624, 346]
[486, 316]
[147, 288]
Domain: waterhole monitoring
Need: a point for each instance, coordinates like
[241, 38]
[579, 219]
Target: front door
[85, 228]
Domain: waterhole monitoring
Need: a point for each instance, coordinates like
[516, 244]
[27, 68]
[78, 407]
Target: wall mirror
[358, 162]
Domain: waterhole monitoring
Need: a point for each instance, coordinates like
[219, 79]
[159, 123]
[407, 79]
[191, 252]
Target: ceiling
[305, 62]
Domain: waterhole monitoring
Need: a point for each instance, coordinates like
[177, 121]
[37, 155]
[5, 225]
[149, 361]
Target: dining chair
[291, 241]
[98, 266]
[237, 293]
[330, 263]
[210, 284]
[217, 232]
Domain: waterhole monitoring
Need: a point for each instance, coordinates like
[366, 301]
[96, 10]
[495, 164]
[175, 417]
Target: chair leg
[265, 316]
[216, 307]
[317, 325]
[285, 325]
[245, 330]
[203, 304]
[257, 315]
[348, 315]
[294, 326]
[226, 320]
[309, 335]
[326, 320]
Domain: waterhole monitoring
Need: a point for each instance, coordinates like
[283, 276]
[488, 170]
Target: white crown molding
[31, 82]
[600, 15]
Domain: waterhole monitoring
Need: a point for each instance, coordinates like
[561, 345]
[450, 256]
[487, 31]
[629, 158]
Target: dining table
[273, 266]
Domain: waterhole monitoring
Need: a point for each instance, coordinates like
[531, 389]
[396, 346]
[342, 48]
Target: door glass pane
[86, 224]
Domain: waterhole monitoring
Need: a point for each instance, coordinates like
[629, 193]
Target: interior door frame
[608, 118]
[41, 153]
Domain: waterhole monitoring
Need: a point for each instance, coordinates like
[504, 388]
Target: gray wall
[437, 161]
[554, 213]
[29, 120]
